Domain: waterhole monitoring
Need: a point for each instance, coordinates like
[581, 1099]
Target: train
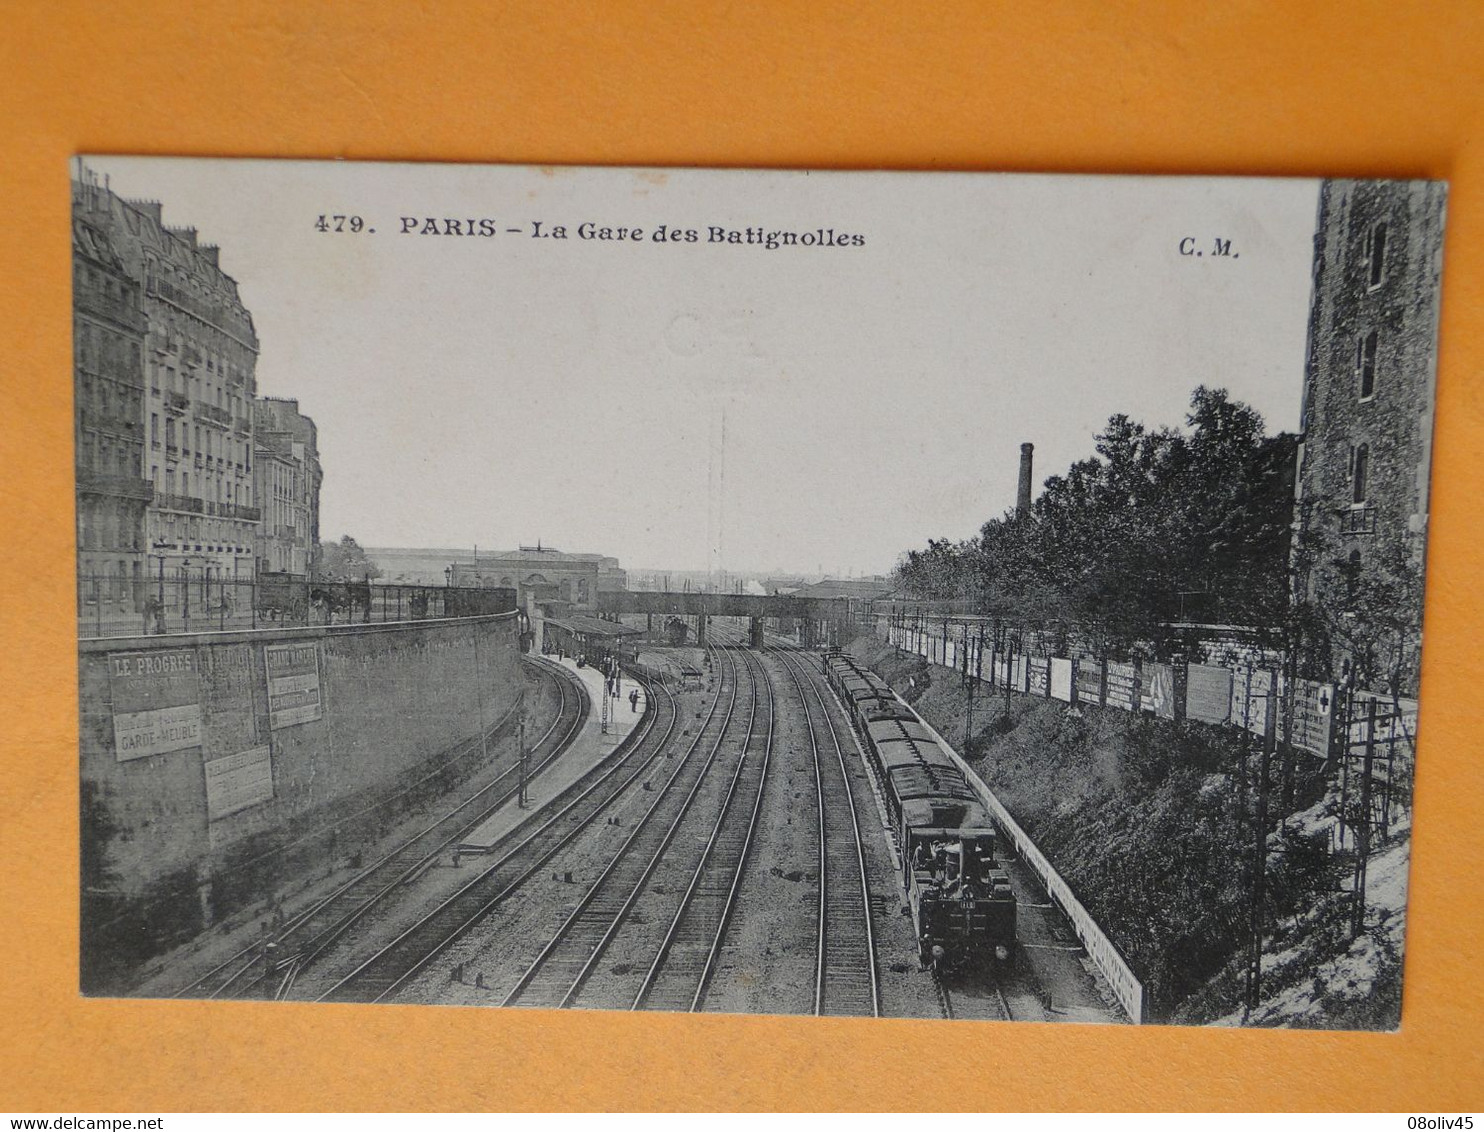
[960, 897]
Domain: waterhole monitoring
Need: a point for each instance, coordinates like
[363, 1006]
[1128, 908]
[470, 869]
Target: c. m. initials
[1220, 248]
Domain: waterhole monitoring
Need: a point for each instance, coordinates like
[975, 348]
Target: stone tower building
[1367, 430]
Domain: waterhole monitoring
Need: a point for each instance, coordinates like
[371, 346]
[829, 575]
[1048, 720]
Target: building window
[1360, 461]
[154, 430]
[1365, 365]
[1375, 255]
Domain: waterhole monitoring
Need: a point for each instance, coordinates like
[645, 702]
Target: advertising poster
[1208, 693]
[1313, 716]
[1158, 693]
[238, 781]
[293, 684]
[156, 702]
[1121, 685]
[1061, 679]
[1251, 699]
[1089, 681]
[1040, 675]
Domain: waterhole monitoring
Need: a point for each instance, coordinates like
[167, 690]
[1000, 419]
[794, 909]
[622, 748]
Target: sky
[500, 390]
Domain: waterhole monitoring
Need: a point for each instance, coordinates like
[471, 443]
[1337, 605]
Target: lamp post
[185, 592]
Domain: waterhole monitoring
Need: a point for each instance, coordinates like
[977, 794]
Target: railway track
[682, 970]
[520, 856]
[556, 977]
[976, 997]
[846, 981]
[307, 934]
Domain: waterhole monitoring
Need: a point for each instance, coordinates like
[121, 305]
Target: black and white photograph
[955, 596]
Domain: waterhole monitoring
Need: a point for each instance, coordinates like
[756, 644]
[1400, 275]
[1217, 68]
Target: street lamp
[185, 592]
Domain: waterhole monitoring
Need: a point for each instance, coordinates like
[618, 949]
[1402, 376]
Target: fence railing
[196, 601]
[1125, 985]
[1305, 714]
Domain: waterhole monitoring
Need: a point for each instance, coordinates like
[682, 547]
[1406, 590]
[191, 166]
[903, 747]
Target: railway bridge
[818, 618]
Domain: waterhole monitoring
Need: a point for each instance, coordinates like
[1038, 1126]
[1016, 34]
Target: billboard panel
[1061, 679]
[1158, 692]
[238, 781]
[1121, 685]
[156, 702]
[293, 683]
[1208, 693]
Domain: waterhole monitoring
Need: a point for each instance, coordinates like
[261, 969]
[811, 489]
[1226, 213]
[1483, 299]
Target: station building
[1366, 453]
[553, 580]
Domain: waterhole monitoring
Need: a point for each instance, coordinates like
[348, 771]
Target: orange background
[1380, 89]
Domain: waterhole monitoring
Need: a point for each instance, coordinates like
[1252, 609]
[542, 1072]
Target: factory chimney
[1023, 497]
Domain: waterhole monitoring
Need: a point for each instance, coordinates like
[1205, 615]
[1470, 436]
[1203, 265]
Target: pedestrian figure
[634, 701]
[479, 981]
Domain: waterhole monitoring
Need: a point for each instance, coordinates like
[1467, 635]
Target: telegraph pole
[968, 694]
[520, 796]
[1363, 830]
[1260, 846]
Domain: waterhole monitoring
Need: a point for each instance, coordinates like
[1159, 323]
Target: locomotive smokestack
[1023, 498]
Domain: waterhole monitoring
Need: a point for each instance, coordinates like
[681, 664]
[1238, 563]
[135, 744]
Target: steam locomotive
[961, 901]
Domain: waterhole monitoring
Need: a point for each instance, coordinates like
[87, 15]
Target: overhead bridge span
[723, 605]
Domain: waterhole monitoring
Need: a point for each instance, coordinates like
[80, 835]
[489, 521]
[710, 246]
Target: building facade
[199, 368]
[109, 329]
[1366, 453]
[544, 576]
[286, 480]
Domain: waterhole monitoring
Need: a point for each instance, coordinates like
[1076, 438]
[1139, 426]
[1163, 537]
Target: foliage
[1158, 525]
[1367, 609]
[344, 561]
[1143, 818]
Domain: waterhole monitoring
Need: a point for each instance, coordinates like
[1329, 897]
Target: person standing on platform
[634, 700]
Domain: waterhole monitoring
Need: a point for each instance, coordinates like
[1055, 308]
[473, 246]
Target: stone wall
[200, 750]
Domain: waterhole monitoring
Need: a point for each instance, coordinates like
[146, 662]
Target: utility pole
[520, 795]
[1260, 845]
[968, 693]
[1363, 829]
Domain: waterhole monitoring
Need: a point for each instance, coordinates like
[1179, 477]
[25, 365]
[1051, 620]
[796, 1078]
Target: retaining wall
[193, 745]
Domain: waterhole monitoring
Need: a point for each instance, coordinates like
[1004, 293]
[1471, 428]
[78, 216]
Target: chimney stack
[1023, 497]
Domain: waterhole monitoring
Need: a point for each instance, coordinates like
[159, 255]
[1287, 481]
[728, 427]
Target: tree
[343, 561]
[1157, 525]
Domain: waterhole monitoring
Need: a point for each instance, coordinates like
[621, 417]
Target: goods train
[961, 901]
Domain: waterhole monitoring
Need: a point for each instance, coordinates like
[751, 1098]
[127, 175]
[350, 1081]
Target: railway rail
[682, 970]
[558, 974]
[846, 979]
[554, 826]
[307, 934]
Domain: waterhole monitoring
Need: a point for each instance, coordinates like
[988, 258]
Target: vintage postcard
[906, 595]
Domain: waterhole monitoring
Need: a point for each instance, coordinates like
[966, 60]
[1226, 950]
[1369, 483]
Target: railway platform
[590, 747]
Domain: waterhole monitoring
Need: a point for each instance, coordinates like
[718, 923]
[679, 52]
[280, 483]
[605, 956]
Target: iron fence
[193, 601]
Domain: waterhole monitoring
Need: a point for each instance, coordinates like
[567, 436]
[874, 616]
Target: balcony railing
[177, 401]
[169, 501]
[214, 415]
[126, 487]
